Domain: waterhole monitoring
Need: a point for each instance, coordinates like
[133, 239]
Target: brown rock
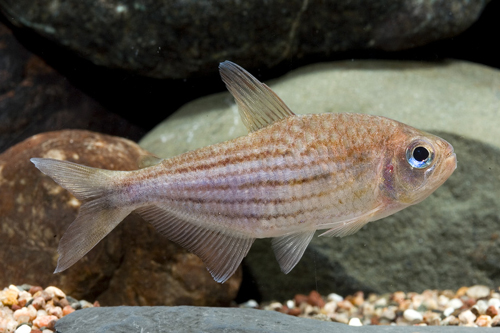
[299, 299]
[62, 302]
[34, 289]
[315, 299]
[492, 311]
[133, 265]
[294, 312]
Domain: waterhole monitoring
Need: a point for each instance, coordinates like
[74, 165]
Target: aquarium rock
[202, 319]
[35, 98]
[447, 241]
[181, 39]
[133, 265]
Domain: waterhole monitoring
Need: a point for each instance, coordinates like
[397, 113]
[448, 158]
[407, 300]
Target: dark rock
[133, 265]
[204, 319]
[180, 39]
[35, 98]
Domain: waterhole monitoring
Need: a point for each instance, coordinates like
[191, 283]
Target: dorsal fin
[258, 105]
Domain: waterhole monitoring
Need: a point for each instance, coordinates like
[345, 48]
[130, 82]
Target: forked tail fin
[96, 218]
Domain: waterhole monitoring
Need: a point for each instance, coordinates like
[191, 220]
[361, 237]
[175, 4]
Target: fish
[290, 176]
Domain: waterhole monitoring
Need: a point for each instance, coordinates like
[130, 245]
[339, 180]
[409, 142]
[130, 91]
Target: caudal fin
[96, 217]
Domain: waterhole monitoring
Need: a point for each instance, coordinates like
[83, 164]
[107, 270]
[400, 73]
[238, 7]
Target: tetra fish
[290, 176]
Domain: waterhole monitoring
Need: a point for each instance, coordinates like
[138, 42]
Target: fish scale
[290, 176]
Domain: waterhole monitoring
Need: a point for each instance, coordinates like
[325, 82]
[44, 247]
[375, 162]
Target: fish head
[417, 164]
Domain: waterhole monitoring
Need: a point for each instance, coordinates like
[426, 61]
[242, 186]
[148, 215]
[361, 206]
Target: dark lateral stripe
[252, 183]
[235, 215]
[234, 159]
[252, 200]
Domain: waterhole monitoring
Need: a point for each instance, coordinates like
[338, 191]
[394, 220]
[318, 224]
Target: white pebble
[481, 306]
[455, 303]
[412, 315]
[355, 322]
[16, 289]
[54, 291]
[443, 300]
[381, 302]
[335, 297]
[290, 304]
[275, 305]
[251, 303]
[495, 302]
[448, 311]
[330, 307]
[478, 291]
[467, 317]
[85, 304]
[23, 329]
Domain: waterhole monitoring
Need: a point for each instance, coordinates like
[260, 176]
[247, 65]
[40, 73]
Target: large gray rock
[179, 39]
[447, 241]
[216, 320]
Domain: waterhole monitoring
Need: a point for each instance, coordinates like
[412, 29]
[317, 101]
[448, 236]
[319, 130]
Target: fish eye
[419, 156]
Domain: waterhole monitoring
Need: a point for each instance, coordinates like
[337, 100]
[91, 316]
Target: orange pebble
[44, 321]
[34, 289]
[294, 312]
[461, 292]
[483, 321]
[299, 299]
[67, 310]
[491, 311]
[315, 299]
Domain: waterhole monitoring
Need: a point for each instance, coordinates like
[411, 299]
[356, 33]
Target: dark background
[145, 102]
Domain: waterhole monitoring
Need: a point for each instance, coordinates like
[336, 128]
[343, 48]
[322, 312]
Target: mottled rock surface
[133, 265]
[35, 98]
[196, 319]
[449, 240]
[180, 39]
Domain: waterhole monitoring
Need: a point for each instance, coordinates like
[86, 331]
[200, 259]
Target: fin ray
[258, 105]
[96, 218]
[221, 251]
[82, 181]
[289, 249]
[93, 223]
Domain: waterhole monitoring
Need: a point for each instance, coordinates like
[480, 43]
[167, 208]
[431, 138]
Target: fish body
[290, 176]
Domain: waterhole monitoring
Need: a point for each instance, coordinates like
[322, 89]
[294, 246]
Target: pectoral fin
[350, 226]
[221, 250]
[289, 249]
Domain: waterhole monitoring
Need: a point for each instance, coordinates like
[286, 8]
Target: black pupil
[420, 154]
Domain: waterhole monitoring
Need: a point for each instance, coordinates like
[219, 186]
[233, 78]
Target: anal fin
[221, 250]
[288, 249]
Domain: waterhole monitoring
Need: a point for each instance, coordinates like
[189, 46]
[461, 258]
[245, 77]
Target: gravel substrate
[25, 309]
[476, 306]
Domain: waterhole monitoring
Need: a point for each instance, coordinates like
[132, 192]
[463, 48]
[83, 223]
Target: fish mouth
[450, 156]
